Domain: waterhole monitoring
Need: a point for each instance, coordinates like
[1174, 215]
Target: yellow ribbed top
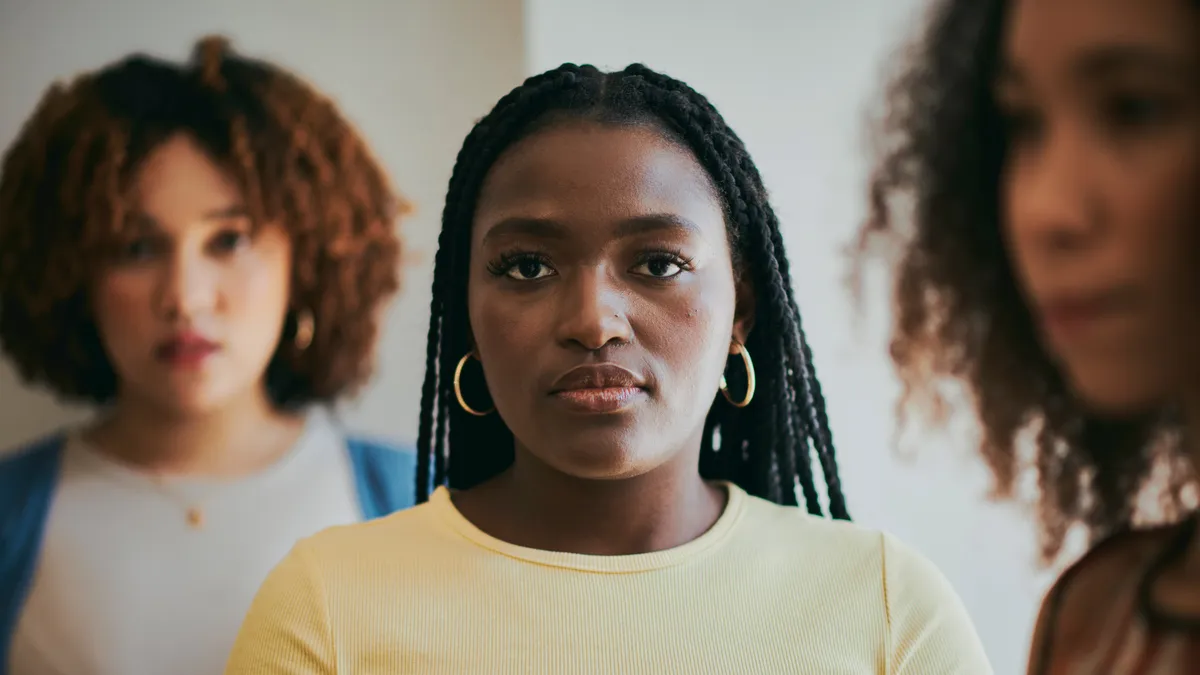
[768, 589]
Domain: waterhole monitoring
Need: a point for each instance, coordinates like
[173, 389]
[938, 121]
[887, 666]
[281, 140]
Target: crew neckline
[316, 428]
[719, 533]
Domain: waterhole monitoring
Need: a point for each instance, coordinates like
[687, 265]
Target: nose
[592, 311]
[1050, 204]
[186, 287]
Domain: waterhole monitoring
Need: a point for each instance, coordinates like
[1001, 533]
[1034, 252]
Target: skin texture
[1100, 191]
[601, 244]
[193, 263]
[126, 204]
[1100, 202]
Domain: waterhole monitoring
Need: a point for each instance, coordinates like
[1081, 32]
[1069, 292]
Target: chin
[191, 400]
[597, 459]
[1118, 392]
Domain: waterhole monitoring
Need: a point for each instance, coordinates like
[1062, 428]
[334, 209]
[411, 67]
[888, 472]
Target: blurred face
[1102, 189]
[192, 305]
[602, 298]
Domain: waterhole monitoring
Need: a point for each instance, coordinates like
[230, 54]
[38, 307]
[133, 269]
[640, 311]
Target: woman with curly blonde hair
[202, 251]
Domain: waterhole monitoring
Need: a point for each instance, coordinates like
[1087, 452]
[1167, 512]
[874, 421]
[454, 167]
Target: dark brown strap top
[1136, 637]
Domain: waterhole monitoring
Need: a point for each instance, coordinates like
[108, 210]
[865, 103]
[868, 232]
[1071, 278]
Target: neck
[234, 439]
[536, 506]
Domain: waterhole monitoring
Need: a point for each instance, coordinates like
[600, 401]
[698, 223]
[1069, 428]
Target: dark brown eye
[230, 240]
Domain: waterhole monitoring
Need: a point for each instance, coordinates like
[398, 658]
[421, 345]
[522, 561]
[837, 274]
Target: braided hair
[765, 448]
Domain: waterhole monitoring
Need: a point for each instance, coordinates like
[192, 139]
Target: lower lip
[600, 400]
[1069, 325]
[191, 357]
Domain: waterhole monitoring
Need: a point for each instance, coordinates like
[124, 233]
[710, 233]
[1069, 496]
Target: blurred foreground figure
[1052, 262]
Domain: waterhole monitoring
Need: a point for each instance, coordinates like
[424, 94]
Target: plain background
[794, 78]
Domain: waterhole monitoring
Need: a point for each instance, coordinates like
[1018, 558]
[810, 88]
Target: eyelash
[671, 256]
[1121, 113]
[224, 243]
[1130, 112]
[507, 262]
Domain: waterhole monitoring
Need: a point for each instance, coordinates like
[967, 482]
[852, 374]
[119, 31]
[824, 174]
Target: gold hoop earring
[745, 354]
[306, 327]
[458, 387]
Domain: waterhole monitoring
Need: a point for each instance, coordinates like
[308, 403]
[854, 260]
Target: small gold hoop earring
[458, 387]
[306, 327]
[745, 354]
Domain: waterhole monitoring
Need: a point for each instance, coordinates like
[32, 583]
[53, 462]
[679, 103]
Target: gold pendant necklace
[195, 517]
[193, 513]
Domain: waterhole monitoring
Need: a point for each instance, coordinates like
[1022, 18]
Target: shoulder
[899, 570]
[27, 482]
[327, 581]
[381, 449]
[927, 627]
[895, 561]
[1083, 596]
[392, 537]
[17, 464]
[385, 474]
[395, 459]
[796, 532]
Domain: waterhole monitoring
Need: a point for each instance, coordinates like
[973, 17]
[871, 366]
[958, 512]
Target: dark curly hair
[768, 447]
[64, 192]
[935, 211]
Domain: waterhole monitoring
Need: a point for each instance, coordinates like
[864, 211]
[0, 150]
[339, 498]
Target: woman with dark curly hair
[202, 251]
[1052, 153]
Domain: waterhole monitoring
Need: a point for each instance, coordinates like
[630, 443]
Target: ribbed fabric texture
[768, 589]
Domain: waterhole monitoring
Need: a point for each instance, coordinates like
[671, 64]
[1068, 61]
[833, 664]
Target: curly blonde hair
[65, 187]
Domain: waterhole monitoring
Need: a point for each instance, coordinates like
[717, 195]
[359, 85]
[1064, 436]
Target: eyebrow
[1110, 60]
[228, 212]
[144, 220]
[547, 228]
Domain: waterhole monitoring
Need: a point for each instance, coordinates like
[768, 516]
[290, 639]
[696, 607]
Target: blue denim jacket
[384, 477]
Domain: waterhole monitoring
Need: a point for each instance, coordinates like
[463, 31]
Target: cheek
[122, 304]
[505, 329]
[1172, 204]
[255, 290]
[1160, 212]
[688, 327]
[257, 286]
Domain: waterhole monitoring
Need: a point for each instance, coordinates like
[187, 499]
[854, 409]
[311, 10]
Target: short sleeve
[286, 631]
[929, 629]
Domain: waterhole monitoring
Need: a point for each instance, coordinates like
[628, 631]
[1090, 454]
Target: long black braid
[766, 447]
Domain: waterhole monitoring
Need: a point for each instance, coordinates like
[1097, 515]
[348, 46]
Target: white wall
[414, 75]
[793, 79]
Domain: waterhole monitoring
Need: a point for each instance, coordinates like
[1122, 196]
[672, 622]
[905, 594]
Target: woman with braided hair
[201, 252]
[619, 414]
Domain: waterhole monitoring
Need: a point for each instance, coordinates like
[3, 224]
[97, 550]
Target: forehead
[1042, 31]
[178, 180]
[586, 170]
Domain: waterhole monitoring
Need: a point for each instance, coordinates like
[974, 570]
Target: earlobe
[735, 344]
[743, 318]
